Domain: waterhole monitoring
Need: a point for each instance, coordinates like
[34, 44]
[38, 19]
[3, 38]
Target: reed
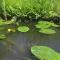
[23, 7]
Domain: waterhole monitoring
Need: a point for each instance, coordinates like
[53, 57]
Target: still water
[23, 42]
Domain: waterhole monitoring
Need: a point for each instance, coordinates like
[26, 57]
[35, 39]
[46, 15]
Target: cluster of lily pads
[41, 52]
[42, 26]
[46, 27]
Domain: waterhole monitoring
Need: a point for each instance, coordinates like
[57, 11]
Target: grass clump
[23, 7]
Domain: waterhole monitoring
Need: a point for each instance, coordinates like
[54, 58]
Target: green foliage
[47, 31]
[58, 6]
[3, 28]
[23, 28]
[46, 27]
[45, 53]
[45, 24]
[3, 22]
[22, 7]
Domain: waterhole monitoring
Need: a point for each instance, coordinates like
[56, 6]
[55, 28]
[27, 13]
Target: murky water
[23, 42]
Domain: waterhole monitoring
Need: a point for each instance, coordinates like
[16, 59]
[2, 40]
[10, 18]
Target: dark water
[23, 42]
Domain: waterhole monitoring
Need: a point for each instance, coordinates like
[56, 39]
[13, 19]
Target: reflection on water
[23, 42]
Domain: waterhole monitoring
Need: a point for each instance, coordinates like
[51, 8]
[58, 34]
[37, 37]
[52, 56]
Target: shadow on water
[23, 42]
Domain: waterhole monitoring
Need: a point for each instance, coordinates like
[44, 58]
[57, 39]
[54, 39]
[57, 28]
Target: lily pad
[45, 53]
[42, 26]
[45, 24]
[23, 28]
[47, 31]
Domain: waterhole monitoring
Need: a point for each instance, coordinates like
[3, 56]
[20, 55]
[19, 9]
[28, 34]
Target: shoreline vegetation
[30, 10]
[44, 14]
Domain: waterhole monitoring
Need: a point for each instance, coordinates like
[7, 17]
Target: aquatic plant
[45, 24]
[47, 31]
[23, 28]
[3, 22]
[46, 27]
[3, 28]
[45, 53]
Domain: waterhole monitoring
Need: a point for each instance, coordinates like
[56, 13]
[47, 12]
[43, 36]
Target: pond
[23, 42]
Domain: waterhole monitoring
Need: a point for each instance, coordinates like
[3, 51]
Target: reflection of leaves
[45, 53]
[23, 29]
[47, 31]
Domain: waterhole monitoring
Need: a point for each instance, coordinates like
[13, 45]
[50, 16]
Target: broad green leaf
[45, 53]
[47, 31]
[42, 26]
[54, 25]
[23, 28]
[45, 24]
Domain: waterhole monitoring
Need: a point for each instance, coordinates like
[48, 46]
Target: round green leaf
[45, 53]
[47, 31]
[23, 28]
[43, 24]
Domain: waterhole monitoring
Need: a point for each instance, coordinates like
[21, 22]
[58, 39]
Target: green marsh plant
[23, 7]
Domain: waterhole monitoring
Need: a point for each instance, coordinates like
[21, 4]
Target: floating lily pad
[47, 31]
[42, 26]
[54, 25]
[23, 28]
[45, 24]
[45, 53]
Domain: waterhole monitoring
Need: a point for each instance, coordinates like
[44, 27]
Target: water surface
[23, 42]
